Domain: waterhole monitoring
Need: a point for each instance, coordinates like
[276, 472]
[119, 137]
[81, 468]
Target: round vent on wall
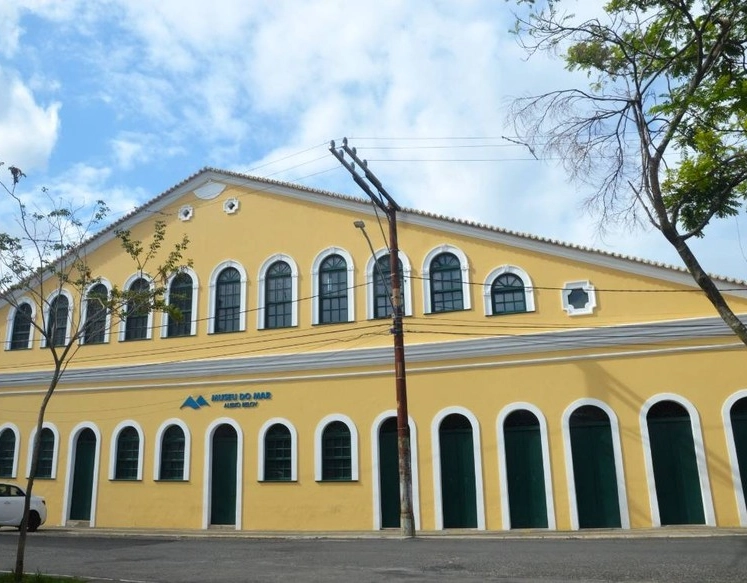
[186, 213]
[231, 206]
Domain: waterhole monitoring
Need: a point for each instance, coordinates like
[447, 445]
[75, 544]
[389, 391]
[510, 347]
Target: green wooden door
[675, 468]
[525, 474]
[389, 474]
[458, 491]
[82, 492]
[739, 429]
[594, 472]
[223, 476]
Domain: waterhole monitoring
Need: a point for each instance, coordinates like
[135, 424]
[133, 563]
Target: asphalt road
[216, 559]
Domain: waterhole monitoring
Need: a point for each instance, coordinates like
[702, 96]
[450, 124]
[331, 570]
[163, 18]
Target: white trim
[123, 321]
[55, 450]
[736, 476]
[622, 496]
[69, 473]
[45, 315]
[321, 256]
[375, 468]
[518, 272]
[406, 282]
[195, 303]
[11, 319]
[212, 299]
[261, 447]
[503, 469]
[261, 292]
[464, 266]
[208, 467]
[700, 458]
[13, 428]
[187, 448]
[113, 449]
[436, 444]
[568, 289]
[318, 453]
[84, 311]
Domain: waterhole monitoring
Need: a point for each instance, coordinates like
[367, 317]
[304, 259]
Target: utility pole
[387, 204]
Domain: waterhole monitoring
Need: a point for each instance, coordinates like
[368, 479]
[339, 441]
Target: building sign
[228, 400]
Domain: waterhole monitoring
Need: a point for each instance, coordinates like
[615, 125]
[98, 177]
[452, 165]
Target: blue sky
[122, 99]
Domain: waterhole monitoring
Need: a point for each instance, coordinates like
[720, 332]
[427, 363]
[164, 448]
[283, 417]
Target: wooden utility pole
[387, 204]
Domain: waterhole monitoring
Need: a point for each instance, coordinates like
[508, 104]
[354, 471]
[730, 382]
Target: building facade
[550, 386]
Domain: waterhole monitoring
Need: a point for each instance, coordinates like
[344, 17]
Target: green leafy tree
[660, 132]
[46, 256]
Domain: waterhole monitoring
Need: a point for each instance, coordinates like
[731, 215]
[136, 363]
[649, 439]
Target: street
[213, 558]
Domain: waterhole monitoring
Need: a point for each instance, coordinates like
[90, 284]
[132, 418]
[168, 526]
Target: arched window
[180, 298]
[382, 287]
[333, 290]
[57, 321]
[21, 335]
[7, 453]
[138, 312]
[172, 454]
[336, 452]
[228, 301]
[94, 330]
[446, 283]
[45, 461]
[278, 296]
[507, 294]
[278, 462]
[128, 454]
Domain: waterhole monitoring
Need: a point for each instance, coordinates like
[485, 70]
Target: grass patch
[38, 578]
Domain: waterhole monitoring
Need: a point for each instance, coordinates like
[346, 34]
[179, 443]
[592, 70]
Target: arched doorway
[223, 476]
[594, 471]
[675, 467]
[458, 490]
[525, 475]
[738, 416]
[83, 475]
[389, 474]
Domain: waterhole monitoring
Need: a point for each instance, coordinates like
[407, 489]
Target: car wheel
[34, 521]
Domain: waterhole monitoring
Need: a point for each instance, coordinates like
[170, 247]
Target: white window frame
[261, 447]
[736, 476]
[477, 448]
[195, 290]
[318, 450]
[261, 292]
[503, 468]
[113, 450]
[700, 457]
[187, 449]
[321, 256]
[45, 319]
[12, 427]
[405, 283]
[11, 320]
[622, 496]
[212, 287]
[123, 321]
[464, 266]
[84, 311]
[55, 451]
[497, 272]
[586, 285]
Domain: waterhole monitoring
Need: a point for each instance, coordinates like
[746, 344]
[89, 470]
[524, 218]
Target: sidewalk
[687, 531]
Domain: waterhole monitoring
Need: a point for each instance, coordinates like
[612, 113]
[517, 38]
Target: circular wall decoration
[231, 206]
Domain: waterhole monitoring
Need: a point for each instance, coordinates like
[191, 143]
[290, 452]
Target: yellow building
[550, 386]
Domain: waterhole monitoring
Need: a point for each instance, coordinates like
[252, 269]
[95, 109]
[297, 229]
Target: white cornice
[649, 334]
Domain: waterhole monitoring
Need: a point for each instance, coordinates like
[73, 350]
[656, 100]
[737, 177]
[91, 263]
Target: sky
[122, 99]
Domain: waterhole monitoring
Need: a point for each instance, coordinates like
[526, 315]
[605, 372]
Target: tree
[660, 133]
[45, 267]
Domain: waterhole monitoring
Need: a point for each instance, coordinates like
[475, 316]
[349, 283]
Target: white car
[11, 507]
